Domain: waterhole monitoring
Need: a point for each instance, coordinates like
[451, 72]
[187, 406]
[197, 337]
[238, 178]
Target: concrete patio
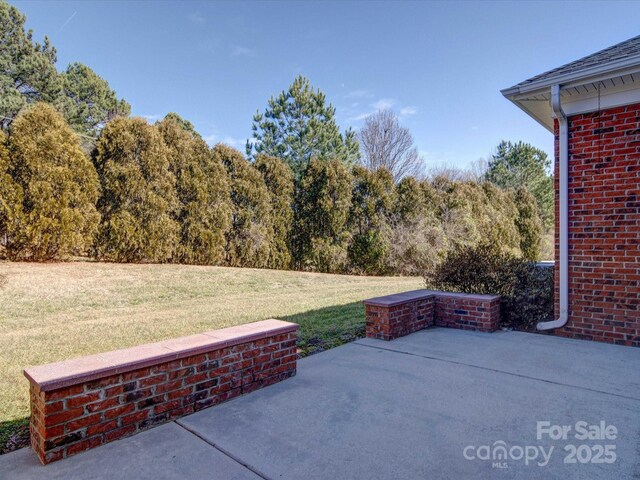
[401, 409]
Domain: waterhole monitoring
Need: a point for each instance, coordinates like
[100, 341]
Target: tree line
[158, 193]
[305, 195]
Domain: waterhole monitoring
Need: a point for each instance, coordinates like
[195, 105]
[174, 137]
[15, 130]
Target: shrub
[529, 224]
[526, 291]
[249, 241]
[418, 241]
[417, 247]
[59, 188]
[372, 201]
[10, 197]
[138, 201]
[202, 188]
[322, 215]
[278, 179]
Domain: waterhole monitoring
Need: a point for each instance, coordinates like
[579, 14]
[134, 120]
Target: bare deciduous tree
[385, 143]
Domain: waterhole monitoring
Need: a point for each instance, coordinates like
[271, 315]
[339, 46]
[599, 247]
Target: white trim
[608, 99]
[617, 68]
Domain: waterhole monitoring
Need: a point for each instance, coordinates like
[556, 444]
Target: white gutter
[563, 140]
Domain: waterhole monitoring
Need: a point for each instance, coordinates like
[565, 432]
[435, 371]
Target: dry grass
[51, 312]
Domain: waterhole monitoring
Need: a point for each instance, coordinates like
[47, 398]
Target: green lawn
[52, 312]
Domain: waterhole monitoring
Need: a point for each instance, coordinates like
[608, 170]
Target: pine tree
[298, 126]
[278, 179]
[138, 202]
[372, 202]
[322, 214]
[59, 185]
[87, 101]
[514, 165]
[250, 239]
[27, 68]
[204, 211]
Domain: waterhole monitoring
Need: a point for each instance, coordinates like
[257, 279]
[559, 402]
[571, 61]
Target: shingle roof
[616, 52]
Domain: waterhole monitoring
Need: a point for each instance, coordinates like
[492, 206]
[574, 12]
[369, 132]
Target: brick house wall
[604, 226]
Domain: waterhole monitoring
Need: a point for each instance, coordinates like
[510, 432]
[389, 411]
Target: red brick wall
[68, 420]
[397, 315]
[467, 312]
[387, 323]
[604, 226]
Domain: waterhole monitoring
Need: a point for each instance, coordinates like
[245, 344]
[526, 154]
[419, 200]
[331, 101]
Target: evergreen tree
[528, 223]
[414, 200]
[59, 185]
[87, 101]
[11, 215]
[182, 123]
[418, 242]
[298, 126]
[250, 239]
[497, 216]
[204, 211]
[322, 214]
[27, 69]
[516, 165]
[278, 179]
[372, 201]
[138, 202]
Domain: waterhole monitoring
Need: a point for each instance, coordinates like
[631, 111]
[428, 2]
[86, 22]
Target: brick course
[397, 315]
[604, 226]
[69, 415]
[467, 312]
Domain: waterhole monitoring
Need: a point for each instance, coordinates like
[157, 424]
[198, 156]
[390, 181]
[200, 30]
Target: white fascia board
[613, 69]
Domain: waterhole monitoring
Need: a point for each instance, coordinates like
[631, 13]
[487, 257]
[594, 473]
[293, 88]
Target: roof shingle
[616, 52]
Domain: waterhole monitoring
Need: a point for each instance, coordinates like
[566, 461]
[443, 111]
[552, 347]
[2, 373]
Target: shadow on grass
[320, 330]
[14, 434]
[328, 327]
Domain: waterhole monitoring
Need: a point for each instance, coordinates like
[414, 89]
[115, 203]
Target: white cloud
[240, 51]
[214, 139]
[406, 111]
[152, 118]
[384, 104]
[359, 93]
[475, 127]
[195, 17]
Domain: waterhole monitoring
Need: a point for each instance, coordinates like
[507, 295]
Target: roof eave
[619, 67]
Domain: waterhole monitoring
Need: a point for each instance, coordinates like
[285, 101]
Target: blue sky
[440, 66]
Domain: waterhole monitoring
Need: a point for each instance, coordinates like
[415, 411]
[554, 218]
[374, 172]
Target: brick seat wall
[86, 402]
[394, 316]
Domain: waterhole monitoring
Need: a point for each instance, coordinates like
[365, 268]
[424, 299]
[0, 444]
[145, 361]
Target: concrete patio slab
[591, 365]
[364, 411]
[166, 452]
[408, 408]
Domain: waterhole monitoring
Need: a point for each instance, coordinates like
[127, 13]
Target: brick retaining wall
[394, 316]
[86, 402]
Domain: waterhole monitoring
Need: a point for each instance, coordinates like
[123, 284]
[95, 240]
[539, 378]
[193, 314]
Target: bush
[10, 197]
[278, 179]
[204, 202]
[322, 217]
[250, 239]
[138, 202]
[526, 290]
[372, 200]
[59, 188]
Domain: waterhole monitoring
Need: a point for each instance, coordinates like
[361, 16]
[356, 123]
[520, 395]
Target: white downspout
[563, 158]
